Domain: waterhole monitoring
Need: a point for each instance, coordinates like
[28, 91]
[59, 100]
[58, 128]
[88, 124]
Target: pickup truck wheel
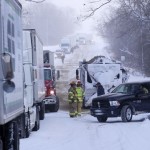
[126, 113]
[37, 122]
[102, 118]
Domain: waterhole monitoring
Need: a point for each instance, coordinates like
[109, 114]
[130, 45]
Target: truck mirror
[7, 67]
[8, 86]
[58, 74]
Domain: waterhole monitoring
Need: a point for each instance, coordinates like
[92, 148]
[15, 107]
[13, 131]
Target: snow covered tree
[128, 32]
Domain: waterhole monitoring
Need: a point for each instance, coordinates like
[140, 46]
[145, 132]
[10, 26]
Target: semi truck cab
[51, 100]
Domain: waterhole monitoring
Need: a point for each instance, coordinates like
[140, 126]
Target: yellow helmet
[72, 83]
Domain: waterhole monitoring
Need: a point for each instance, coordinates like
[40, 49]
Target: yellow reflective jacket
[72, 95]
[80, 93]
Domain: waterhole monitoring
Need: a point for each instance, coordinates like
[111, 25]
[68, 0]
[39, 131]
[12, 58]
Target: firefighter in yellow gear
[72, 99]
[80, 95]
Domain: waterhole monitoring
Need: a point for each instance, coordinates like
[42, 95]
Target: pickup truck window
[126, 88]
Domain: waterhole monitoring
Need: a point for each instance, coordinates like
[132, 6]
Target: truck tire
[1, 144]
[27, 126]
[55, 107]
[126, 113]
[12, 136]
[102, 118]
[84, 106]
[37, 122]
[16, 136]
[22, 125]
[42, 110]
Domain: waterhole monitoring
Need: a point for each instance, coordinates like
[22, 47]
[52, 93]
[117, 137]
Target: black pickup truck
[125, 100]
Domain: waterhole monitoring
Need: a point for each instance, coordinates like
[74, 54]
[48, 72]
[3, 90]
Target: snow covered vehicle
[11, 74]
[125, 100]
[51, 100]
[68, 44]
[59, 53]
[99, 69]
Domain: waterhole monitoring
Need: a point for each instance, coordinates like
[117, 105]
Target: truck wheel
[16, 136]
[55, 107]
[37, 122]
[12, 136]
[126, 113]
[1, 144]
[27, 127]
[42, 110]
[102, 118]
[21, 123]
[84, 106]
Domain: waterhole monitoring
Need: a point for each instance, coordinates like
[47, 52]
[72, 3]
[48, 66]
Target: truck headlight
[52, 92]
[114, 103]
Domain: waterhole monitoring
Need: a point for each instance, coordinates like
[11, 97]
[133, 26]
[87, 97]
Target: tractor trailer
[11, 74]
[34, 89]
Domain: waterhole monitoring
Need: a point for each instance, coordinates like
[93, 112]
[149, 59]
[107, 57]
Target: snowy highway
[60, 132]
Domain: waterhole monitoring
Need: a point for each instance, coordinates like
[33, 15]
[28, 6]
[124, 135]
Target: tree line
[127, 30]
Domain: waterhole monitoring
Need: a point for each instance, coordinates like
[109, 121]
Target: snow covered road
[59, 132]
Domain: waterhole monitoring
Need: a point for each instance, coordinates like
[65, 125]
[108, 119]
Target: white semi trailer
[34, 89]
[11, 74]
[99, 69]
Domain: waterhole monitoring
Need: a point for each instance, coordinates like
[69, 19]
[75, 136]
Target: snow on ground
[59, 132]
[133, 78]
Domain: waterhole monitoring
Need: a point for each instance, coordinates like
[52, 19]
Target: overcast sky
[77, 5]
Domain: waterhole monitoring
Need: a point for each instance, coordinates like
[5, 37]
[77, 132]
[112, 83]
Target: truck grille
[100, 104]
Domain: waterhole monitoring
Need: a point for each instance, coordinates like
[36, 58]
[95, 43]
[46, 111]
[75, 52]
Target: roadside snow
[59, 132]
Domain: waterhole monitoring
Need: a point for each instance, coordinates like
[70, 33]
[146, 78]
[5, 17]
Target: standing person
[63, 57]
[100, 89]
[72, 99]
[80, 95]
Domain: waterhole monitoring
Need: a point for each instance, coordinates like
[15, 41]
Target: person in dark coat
[62, 58]
[100, 89]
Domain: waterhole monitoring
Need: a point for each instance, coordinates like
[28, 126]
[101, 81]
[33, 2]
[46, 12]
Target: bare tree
[128, 31]
[91, 7]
